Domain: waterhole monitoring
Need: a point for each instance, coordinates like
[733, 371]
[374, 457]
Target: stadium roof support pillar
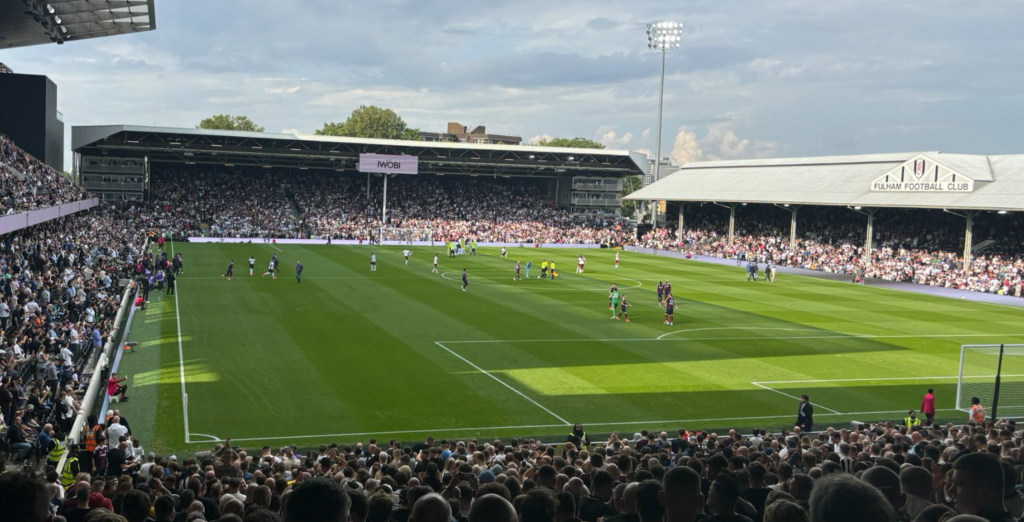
[968, 216]
[793, 209]
[870, 232]
[732, 218]
[679, 233]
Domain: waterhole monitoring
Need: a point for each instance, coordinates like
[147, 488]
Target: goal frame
[996, 377]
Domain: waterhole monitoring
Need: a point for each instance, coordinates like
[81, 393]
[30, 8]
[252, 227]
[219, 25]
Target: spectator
[977, 486]
[842, 498]
[317, 500]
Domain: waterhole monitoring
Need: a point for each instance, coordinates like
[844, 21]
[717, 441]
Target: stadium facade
[115, 161]
[961, 184]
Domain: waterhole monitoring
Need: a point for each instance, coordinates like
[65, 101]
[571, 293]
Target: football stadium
[373, 322]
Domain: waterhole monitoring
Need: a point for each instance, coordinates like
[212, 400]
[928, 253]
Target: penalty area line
[759, 385]
[505, 384]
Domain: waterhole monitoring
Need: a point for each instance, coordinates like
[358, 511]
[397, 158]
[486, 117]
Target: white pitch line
[662, 336]
[181, 361]
[275, 248]
[542, 426]
[835, 335]
[402, 432]
[503, 383]
[867, 379]
[760, 417]
[794, 397]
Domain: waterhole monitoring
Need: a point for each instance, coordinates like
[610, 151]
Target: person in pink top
[928, 406]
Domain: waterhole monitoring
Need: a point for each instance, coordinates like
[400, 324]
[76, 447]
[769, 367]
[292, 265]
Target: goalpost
[994, 373]
[406, 235]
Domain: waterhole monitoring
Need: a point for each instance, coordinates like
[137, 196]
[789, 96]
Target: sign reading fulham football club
[384, 164]
[922, 174]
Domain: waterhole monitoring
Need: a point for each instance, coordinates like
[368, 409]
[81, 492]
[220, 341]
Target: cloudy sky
[751, 79]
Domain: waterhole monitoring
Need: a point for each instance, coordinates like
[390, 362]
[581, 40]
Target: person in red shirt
[114, 387]
[928, 406]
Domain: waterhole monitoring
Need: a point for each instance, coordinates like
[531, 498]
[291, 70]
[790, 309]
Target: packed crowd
[340, 207]
[923, 247]
[29, 184]
[235, 203]
[451, 208]
[877, 473]
[60, 292]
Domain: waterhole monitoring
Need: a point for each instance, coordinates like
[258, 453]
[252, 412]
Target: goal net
[405, 235]
[994, 373]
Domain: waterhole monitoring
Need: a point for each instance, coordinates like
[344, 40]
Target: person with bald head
[492, 508]
[431, 508]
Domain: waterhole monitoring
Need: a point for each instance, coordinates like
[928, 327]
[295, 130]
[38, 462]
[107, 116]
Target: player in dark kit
[465, 283]
[516, 278]
[298, 271]
[668, 288]
[670, 308]
[661, 292]
[231, 270]
[622, 313]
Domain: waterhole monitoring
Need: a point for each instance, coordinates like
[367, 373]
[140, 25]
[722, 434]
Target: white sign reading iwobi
[385, 164]
[922, 174]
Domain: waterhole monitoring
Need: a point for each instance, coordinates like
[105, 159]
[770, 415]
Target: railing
[115, 185]
[597, 202]
[615, 185]
[113, 169]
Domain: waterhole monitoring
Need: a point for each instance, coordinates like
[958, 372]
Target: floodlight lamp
[64, 29]
[1001, 212]
[570, 158]
[57, 19]
[856, 208]
[50, 9]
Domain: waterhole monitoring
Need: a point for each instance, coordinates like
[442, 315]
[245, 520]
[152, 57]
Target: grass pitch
[400, 353]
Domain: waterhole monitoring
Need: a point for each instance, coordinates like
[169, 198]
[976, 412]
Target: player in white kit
[435, 265]
[373, 262]
[406, 253]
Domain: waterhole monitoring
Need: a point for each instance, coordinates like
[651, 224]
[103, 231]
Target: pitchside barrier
[263, 241]
[994, 373]
[97, 390]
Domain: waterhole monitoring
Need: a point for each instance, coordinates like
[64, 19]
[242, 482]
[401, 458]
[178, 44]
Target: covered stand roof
[904, 180]
[216, 147]
[35, 22]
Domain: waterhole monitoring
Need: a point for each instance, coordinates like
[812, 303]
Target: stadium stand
[29, 184]
[59, 287]
[916, 246]
[891, 473]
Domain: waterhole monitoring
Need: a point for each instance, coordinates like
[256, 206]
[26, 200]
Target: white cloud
[611, 139]
[539, 138]
[646, 134]
[686, 148]
[283, 90]
[645, 151]
[720, 138]
[290, 131]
